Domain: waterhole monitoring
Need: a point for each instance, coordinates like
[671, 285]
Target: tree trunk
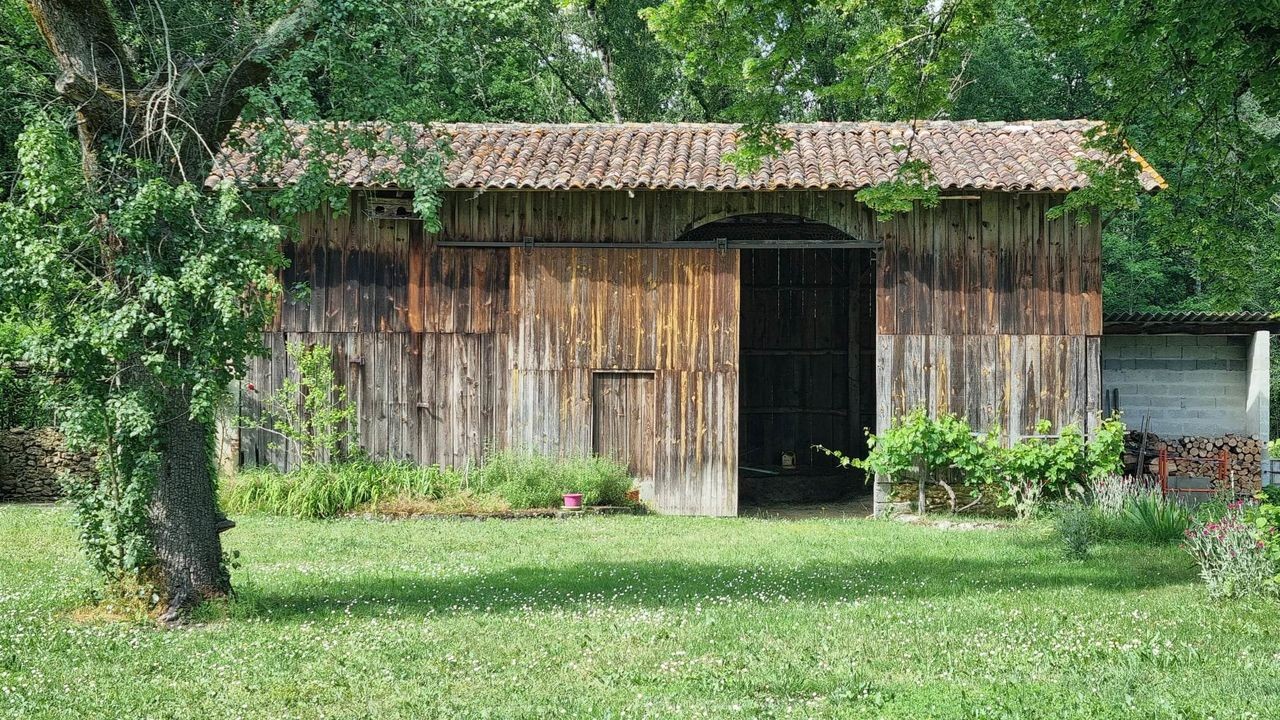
[115, 111]
[184, 513]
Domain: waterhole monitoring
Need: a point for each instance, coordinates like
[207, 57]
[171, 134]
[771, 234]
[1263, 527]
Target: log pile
[1197, 456]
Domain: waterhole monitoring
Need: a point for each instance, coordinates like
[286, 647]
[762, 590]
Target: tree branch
[82, 36]
[218, 113]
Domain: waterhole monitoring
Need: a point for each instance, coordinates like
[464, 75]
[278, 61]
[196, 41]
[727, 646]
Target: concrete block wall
[1190, 384]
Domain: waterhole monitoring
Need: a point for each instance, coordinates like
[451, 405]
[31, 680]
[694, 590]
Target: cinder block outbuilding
[1192, 375]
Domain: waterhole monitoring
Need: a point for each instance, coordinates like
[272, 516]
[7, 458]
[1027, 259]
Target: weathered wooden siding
[988, 309]
[983, 307]
[419, 338]
[671, 312]
[1007, 380]
[620, 216]
[355, 274]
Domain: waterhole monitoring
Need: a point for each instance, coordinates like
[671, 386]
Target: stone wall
[904, 496]
[31, 462]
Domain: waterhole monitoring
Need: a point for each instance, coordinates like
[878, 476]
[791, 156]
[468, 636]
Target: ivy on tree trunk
[153, 289]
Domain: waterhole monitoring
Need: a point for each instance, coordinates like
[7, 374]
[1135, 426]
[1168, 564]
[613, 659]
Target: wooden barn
[624, 290]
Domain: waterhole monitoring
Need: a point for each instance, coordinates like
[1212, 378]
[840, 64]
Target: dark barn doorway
[806, 373]
[806, 363]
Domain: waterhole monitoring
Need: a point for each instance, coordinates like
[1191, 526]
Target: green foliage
[1204, 112]
[147, 294]
[1152, 517]
[1215, 508]
[313, 411]
[328, 490]
[1264, 518]
[511, 478]
[21, 400]
[1104, 450]
[24, 77]
[758, 63]
[530, 480]
[111, 517]
[1035, 466]
[1021, 474]
[914, 185]
[917, 442]
[1076, 523]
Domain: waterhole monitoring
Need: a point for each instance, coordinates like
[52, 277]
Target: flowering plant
[1232, 553]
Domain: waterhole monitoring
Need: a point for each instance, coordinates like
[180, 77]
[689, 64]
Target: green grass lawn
[642, 617]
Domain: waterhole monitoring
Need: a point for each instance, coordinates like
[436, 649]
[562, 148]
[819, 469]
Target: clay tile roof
[965, 155]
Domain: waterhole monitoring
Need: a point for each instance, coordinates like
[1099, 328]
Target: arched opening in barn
[806, 366]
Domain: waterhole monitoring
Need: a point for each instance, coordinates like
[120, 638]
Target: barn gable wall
[983, 307]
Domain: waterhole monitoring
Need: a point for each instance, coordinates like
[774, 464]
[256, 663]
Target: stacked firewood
[1197, 456]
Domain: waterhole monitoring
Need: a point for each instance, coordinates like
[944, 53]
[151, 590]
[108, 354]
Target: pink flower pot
[573, 501]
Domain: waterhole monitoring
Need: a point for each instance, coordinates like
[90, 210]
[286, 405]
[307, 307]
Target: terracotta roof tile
[1039, 155]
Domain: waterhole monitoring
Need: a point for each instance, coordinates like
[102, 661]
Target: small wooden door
[623, 428]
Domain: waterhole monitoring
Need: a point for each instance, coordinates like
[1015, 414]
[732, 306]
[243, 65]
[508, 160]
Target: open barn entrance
[806, 358]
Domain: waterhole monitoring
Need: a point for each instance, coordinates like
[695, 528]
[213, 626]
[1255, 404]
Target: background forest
[1188, 81]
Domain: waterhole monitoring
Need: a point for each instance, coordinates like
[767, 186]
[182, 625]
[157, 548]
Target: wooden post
[921, 503]
[1162, 468]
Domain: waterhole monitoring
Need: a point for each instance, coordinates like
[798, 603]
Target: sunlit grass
[642, 617]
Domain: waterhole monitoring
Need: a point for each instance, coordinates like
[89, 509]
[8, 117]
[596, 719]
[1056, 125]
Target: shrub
[1077, 524]
[529, 480]
[1264, 517]
[1215, 508]
[1233, 559]
[1031, 468]
[21, 400]
[1022, 474]
[312, 412]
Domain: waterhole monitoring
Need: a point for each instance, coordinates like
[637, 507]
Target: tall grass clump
[508, 479]
[533, 480]
[316, 490]
[1153, 517]
[1120, 508]
[1131, 509]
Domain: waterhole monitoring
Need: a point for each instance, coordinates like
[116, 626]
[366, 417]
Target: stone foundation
[31, 461]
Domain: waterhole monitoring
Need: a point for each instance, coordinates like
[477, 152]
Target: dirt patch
[951, 524]
[854, 508]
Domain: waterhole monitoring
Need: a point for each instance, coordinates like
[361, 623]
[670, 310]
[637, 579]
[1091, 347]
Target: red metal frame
[1223, 472]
